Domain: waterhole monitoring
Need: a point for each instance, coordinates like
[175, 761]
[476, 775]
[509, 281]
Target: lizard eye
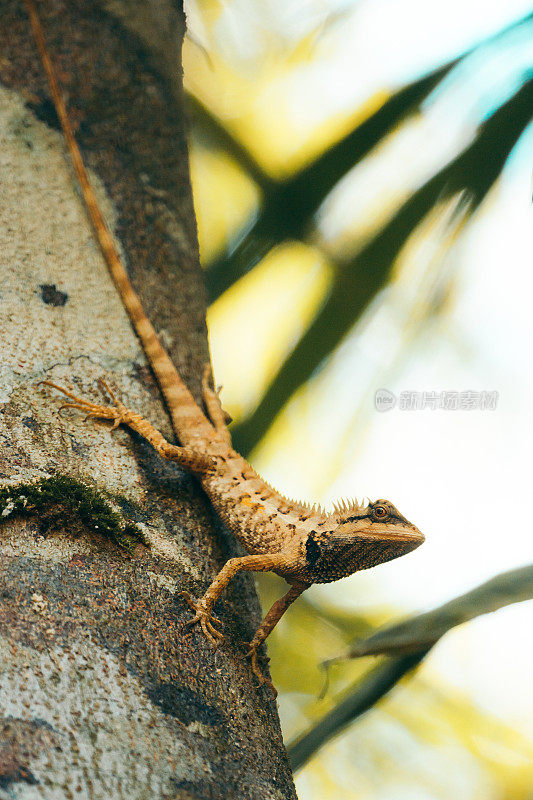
[380, 512]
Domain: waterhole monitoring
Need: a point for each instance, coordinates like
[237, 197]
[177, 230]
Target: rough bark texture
[103, 692]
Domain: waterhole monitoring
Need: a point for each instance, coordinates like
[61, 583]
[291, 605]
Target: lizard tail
[187, 418]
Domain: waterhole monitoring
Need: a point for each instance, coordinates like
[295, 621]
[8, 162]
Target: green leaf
[214, 132]
[289, 206]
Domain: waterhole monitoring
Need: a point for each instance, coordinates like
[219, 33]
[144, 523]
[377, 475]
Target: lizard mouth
[407, 539]
[379, 547]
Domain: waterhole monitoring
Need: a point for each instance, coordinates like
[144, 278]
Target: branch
[99, 659]
[425, 630]
[408, 642]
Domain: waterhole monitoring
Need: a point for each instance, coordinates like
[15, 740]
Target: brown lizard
[302, 543]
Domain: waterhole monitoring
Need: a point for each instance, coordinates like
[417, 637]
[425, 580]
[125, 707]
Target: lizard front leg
[276, 612]
[204, 606]
[118, 414]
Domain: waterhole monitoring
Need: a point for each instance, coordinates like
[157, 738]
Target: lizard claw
[206, 619]
[115, 413]
[252, 655]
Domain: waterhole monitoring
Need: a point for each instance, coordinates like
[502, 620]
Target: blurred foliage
[264, 207]
[360, 277]
[287, 210]
[424, 730]
[409, 642]
[289, 205]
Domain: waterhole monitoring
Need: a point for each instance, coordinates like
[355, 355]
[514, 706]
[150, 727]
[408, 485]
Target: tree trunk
[104, 692]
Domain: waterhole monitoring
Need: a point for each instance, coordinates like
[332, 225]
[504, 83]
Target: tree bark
[103, 690]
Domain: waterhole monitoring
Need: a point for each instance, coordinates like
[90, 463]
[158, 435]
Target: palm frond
[289, 205]
[471, 174]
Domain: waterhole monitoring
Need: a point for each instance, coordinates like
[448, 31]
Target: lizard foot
[206, 619]
[252, 655]
[116, 413]
[218, 416]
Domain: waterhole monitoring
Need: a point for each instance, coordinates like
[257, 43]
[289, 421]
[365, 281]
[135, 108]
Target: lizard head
[357, 537]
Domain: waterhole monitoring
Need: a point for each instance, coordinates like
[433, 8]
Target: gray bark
[103, 691]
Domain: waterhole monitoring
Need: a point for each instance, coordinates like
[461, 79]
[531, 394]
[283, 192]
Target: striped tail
[188, 420]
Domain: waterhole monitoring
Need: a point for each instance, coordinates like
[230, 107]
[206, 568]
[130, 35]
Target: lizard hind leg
[118, 414]
[114, 413]
[216, 413]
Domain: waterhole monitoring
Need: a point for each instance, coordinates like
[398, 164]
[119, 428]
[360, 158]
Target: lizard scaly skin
[302, 543]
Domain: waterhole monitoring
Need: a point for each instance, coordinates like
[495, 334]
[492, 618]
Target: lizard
[302, 543]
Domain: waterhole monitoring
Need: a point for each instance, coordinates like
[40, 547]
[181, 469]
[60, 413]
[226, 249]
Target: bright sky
[464, 477]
